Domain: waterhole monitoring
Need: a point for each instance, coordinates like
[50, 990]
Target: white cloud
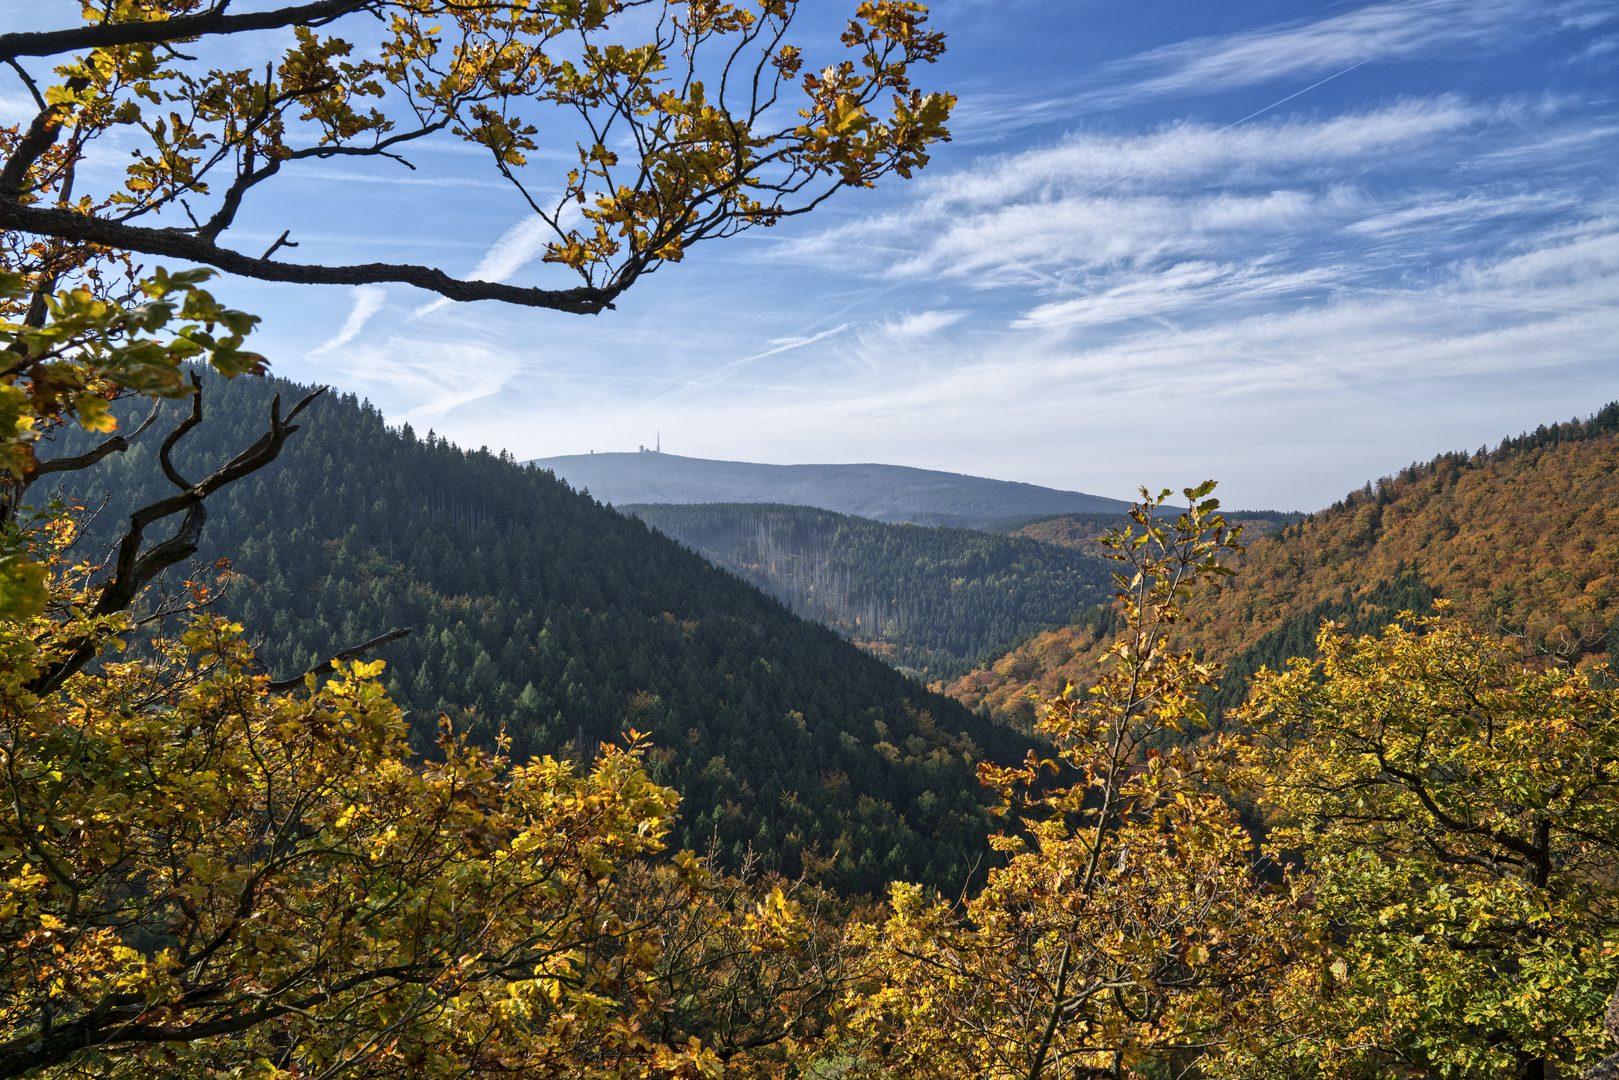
[1159, 295]
[348, 176]
[777, 346]
[517, 247]
[420, 379]
[1601, 46]
[1289, 52]
[368, 301]
[1456, 211]
[1028, 218]
[1394, 30]
[923, 324]
[1187, 152]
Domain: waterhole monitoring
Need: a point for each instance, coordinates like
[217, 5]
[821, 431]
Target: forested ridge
[930, 599]
[537, 610]
[1523, 538]
[1081, 530]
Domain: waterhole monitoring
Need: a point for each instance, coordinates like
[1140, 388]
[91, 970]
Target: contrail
[1244, 120]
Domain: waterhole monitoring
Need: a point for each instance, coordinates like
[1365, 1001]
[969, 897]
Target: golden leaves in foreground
[1131, 924]
[1459, 814]
[199, 877]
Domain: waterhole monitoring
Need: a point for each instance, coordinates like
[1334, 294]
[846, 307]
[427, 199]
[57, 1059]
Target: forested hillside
[1524, 538]
[536, 609]
[1081, 530]
[928, 599]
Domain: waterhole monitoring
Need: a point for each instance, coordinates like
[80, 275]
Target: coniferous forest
[926, 599]
[538, 612]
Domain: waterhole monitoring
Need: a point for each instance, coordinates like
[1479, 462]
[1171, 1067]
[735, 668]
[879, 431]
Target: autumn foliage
[1399, 859]
[1128, 925]
[1521, 539]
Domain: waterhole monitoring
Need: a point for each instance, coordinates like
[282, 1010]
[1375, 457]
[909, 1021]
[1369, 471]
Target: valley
[335, 746]
[929, 600]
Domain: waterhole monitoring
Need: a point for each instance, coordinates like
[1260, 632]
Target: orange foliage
[1524, 540]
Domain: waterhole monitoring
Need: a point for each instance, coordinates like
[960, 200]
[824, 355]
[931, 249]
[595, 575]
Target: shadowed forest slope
[538, 610]
[928, 599]
[1524, 538]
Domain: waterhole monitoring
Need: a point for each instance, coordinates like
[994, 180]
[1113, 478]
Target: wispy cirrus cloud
[368, 300]
[1189, 194]
[1288, 53]
[922, 324]
[1160, 295]
[517, 247]
[777, 347]
[1397, 30]
[350, 176]
[437, 374]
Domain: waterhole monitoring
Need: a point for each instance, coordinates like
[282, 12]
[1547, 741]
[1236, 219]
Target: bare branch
[106, 35]
[353, 653]
[69, 225]
[281, 242]
[115, 445]
[179, 433]
[29, 82]
[134, 569]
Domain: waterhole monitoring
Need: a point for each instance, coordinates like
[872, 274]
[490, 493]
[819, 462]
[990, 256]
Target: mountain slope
[1081, 530]
[1524, 537]
[879, 492]
[538, 609]
[925, 598]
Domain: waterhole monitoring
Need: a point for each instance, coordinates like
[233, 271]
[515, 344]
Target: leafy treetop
[690, 121]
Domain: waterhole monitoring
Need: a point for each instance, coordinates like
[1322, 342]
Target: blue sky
[1288, 245]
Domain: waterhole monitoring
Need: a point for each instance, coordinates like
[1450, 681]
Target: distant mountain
[892, 493]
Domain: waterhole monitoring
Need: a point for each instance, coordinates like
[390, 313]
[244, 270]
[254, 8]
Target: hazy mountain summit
[881, 492]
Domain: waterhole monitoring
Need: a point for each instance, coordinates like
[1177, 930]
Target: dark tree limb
[115, 445]
[134, 569]
[129, 1019]
[353, 653]
[281, 242]
[42, 132]
[1532, 852]
[28, 80]
[179, 433]
[175, 243]
[249, 173]
[106, 35]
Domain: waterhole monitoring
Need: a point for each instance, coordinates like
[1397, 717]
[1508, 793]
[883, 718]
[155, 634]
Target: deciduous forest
[1520, 539]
